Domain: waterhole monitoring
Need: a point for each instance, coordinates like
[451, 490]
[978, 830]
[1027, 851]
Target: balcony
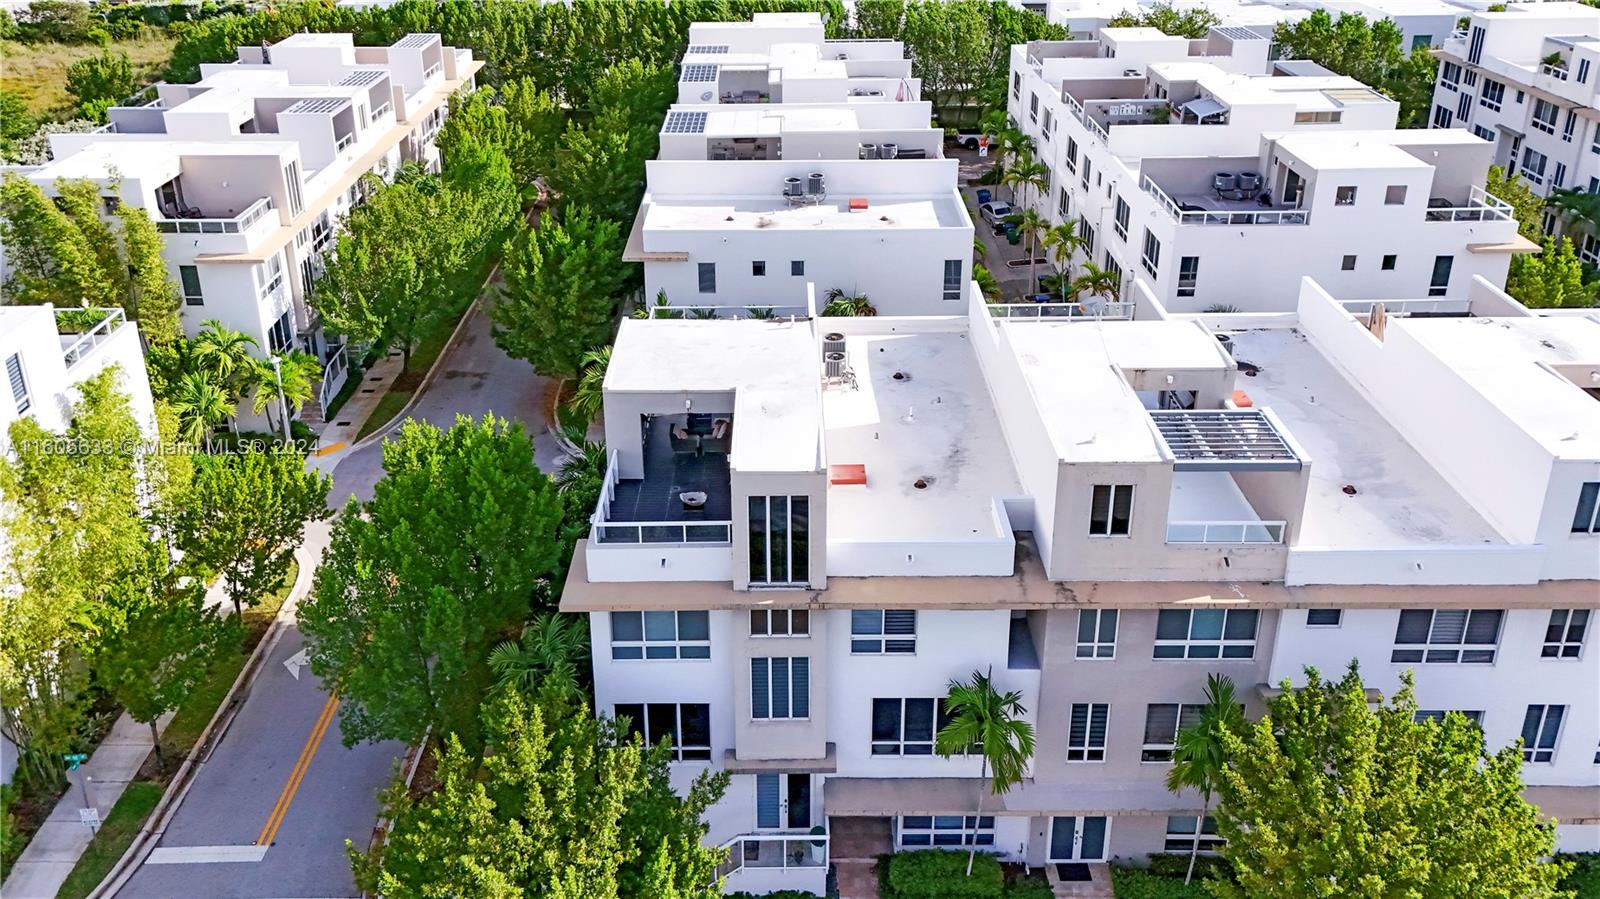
[344, 143]
[198, 223]
[765, 862]
[435, 69]
[1225, 532]
[1200, 209]
[1092, 310]
[79, 338]
[1481, 206]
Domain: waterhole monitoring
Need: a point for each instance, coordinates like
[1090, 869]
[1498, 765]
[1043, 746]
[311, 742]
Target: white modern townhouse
[810, 526]
[1524, 80]
[790, 159]
[250, 170]
[1185, 166]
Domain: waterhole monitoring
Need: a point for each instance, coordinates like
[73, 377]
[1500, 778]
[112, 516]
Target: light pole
[277, 374]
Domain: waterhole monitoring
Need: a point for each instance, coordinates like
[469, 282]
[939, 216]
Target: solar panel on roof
[1238, 33]
[699, 72]
[685, 123]
[708, 48]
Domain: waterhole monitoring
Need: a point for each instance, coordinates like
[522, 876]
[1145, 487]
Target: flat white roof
[1400, 500]
[772, 368]
[1074, 374]
[154, 155]
[1371, 149]
[771, 213]
[1500, 358]
[937, 424]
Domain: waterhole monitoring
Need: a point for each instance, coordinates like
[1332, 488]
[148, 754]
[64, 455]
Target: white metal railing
[1482, 206]
[385, 109]
[780, 851]
[94, 336]
[1231, 532]
[334, 373]
[432, 70]
[1223, 216]
[1407, 307]
[342, 143]
[236, 225]
[1116, 310]
[1095, 128]
[639, 533]
[726, 312]
[1074, 108]
[1559, 73]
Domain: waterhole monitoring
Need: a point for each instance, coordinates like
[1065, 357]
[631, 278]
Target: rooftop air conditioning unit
[867, 151]
[833, 365]
[792, 187]
[816, 186]
[832, 342]
[888, 151]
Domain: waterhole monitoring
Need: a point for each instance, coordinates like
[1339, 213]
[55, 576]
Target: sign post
[89, 816]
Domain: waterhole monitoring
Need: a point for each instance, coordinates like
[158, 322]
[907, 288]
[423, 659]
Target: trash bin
[984, 195]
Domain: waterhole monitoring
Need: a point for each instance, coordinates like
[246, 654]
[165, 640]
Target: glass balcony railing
[201, 224]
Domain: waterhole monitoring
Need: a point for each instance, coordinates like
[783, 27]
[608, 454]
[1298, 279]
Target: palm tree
[199, 404]
[1576, 207]
[845, 305]
[550, 650]
[589, 395]
[984, 720]
[1062, 242]
[295, 379]
[1026, 173]
[765, 313]
[1031, 226]
[222, 350]
[1199, 756]
[980, 249]
[1096, 282]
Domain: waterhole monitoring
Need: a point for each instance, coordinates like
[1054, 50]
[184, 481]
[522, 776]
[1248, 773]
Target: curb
[412, 762]
[156, 825]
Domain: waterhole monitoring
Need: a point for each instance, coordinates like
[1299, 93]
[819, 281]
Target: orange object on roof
[858, 203]
[1242, 399]
[847, 474]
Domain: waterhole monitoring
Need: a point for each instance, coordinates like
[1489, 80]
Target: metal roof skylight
[1224, 440]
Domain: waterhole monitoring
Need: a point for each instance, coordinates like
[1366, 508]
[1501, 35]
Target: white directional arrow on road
[295, 662]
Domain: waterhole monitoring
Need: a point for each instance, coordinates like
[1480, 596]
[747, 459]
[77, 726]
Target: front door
[1078, 839]
[783, 801]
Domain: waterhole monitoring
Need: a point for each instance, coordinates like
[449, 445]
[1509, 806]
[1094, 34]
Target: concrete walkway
[55, 849]
[341, 429]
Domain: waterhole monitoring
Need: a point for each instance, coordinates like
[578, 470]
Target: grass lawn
[108, 845]
[38, 72]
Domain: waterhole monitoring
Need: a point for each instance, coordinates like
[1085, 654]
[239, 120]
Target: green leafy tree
[563, 805]
[422, 581]
[1031, 225]
[1199, 755]
[1062, 241]
[247, 515]
[1096, 282]
[602, 168]
[552, 648]
[97, 80]
[1371, 52]
[1576, 207]
[525, 122]
[589, 396]
[1327, 796]
[1552, 278]
[563, 285]
[1526, 206]
[1193, 23]
[294, 381]
[990, 723]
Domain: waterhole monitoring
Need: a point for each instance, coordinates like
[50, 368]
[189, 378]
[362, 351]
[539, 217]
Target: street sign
[75, 759]
[89, 817]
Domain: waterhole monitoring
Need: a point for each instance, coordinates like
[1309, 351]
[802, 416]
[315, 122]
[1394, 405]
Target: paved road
[235, 795]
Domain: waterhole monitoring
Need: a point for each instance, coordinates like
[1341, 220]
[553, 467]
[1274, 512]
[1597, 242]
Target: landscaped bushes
[781, 894]
[1584, 878]
[1176, 864]
[937, 874]
[1138, 883]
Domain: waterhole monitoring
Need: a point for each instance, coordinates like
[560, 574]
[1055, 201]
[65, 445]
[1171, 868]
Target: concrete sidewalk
[55, 849]
[339, 432]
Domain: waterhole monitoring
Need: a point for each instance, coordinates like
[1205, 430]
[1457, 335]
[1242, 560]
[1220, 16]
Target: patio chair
[682, 442]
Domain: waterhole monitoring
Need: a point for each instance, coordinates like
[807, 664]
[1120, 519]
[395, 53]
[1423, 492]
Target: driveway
[281, 771]
[1013, 280]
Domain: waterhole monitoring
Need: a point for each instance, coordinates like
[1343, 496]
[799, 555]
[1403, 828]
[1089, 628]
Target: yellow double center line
[285, 798]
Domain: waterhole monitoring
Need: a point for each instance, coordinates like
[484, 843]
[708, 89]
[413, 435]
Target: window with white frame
[1016, 85]
[660, 635]
[1072, 155]
[1162, 721]
[1583, 70]
[1569, 126]
[1111, 510]
[189, 279]
[1188, 275]
[1449, 75]
[1151, 258]
[1558, 178]
[1483, 132]
[1344, 195]
[780, 687]
[780, 623]
[1541, 726]
[946, 830]
[1439, 280]
[687, 725]
[1493, 94]
[1446, 636]
[1544, 116]
[1049, 123]
[952, 279]
[1473, 715]
[1533, 163]
[1563, 636]
[1097, 633]
[883, 631]
[1441, 117]
[1086, 732]
[1114, 267]
[1086, 231]
[1464, 107]
[906, 726]
[1033, 107]
[707, 272]
[1181, 833]
[1120, 218]
[1586, 520]
[1324, 617]
[1206, 633]
[1063, 202]
[19, 383]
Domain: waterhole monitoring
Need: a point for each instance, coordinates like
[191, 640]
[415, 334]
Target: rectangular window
[1016, 85]
[1033, 107]
[945, 830]
[1475, 45]
[708, 277]
[1583, 70]
[1533, 163]
[19, 383]
[1111, 510]
[1464, 107]
[1097, 633]
[189, 278]
[1345, 195]
[780, 687]
[1206, 633]
[1072, 155]
[291, 179]
[1389, 260]
[1347, 264]
[1114, 267]
[1088, 167]
[687, 725]
[1181, 833]
[780, 623]
[1446, 636]
[1063, 202]
[797, 268]
[1086, 732]
[1492, 95]
[1188, 275]
[906, 726]
[1152, 253]
[1086, 231]
[1120, 218]
[1473, 715]
[1563, 636]
[1587, 518]
[758, 269]
[1324, 617]
[1559, 177]
[780, 544]
[1449, 75]
[1483, 133]
[1439, 283]
[1569, 126]
[1540, 728]
[883, 631]
[281, 334]
[1441, 117]
[1049, 122]
[1162, 721]
[1544, 116]
[660, 635]
[952, 279]
[1394, 195]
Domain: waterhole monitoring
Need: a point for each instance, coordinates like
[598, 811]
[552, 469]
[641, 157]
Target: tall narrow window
[1111, 510]
[1439, 284]
[19, 383]
[1587, 519]
[1097, 633]
[1072, 155]
[1120, 218]
[1033, 107]
[708, 277]
[780, 543]
[291, 178]
[189, 277]
[1086, 732]
[1188, 275]
[780, 687]
[1540, 729]
[952, 279]
[1151, 259]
